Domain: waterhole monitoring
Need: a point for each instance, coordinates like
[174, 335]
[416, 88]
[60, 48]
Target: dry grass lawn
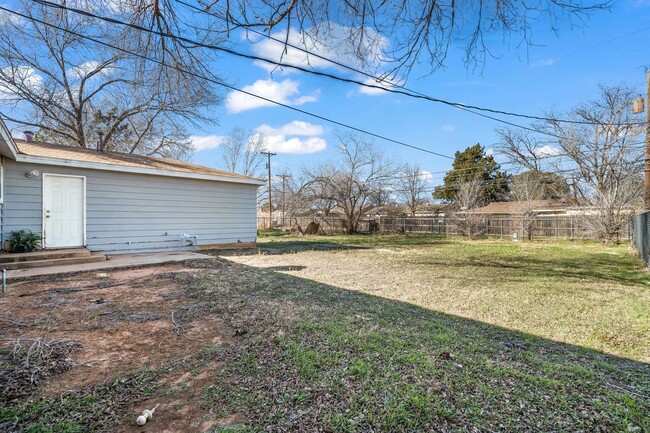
[585, 294]
[337, 334]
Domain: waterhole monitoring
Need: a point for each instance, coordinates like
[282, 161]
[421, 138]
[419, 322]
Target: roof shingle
[55, 151]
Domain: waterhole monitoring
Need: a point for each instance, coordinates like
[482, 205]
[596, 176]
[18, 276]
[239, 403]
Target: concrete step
[90, 258]
[43, 255]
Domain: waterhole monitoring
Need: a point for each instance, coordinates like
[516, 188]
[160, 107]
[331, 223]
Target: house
[114, 203]
[515, 208]
[426, 210]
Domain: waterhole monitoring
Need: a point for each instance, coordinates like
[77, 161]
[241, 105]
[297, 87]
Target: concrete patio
[112, 262]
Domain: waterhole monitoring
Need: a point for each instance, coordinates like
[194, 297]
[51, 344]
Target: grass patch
[321, 357]
[93, 409]
[397, 334]
[579, 292]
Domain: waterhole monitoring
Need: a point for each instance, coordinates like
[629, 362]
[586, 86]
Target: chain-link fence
[641, 235]
[540, 227]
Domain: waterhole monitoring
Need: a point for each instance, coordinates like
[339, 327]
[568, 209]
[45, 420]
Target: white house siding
[135, 212]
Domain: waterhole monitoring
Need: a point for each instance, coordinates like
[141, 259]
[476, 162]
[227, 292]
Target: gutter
[137, 170]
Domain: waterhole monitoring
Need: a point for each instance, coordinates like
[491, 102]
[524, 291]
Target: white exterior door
[64, 205]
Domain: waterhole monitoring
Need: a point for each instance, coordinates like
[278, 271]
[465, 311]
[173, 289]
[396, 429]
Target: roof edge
[8, 147]
[136, 170]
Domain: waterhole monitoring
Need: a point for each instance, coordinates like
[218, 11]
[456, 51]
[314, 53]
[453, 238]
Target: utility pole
[268, 166]
[646, 177]
[284, 177]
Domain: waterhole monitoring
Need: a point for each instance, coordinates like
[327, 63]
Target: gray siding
[134, 212]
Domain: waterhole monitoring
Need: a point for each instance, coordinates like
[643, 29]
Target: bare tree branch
[412, 187]
[603, 154]
[241, 152]
[351, 181]
[70, 89]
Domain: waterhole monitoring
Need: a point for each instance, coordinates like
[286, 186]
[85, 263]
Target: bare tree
[420, 32]
[468, 196]
[351, 180]
[241, 152]
[412, 187]
[607, 218]
[291, 195]
[526, 191]
[69, 89]
[527, 149]
[600, 152]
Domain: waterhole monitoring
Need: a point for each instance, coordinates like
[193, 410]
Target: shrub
[24, 241]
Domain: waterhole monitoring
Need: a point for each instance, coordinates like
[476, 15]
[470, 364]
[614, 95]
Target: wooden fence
[548, 227]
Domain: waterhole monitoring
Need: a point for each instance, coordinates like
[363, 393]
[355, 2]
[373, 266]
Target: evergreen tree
[470, 164]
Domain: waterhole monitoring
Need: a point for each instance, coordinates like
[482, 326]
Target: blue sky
[558, 72]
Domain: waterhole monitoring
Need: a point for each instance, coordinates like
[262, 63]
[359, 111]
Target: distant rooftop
[515, 207]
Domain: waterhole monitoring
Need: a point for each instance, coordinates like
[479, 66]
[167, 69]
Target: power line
[406, 92]
[383, 80]
[228, 86]
[579, 50]
[633, 146]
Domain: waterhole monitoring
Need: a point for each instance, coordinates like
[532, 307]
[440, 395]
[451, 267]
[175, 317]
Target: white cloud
[201, 143]
[294, 137]
[285, 91]
[8, 17]
[542, 63]
[294, 128]
[448, 128]
[307, 98]
[334, 42]
[547, 150]
[23, 75]
[280, 144]
[426, 175]
[83, 69]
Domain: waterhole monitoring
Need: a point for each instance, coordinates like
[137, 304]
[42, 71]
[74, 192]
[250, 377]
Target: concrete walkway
[113, 261]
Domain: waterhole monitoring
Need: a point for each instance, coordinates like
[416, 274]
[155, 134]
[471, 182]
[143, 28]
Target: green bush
[24, 241]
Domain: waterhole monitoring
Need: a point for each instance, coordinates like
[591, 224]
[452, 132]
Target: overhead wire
[543, 157]
[405, 92]
[228, 86]
[384, 80]
[50, 4]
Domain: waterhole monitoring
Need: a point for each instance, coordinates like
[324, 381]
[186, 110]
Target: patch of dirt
[179, 406]
[123, 320]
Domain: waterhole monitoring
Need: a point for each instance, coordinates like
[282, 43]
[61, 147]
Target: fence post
[556, 226]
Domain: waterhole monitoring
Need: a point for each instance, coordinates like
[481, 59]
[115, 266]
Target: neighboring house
[114, 202]
[514, 208]
[422, 211]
